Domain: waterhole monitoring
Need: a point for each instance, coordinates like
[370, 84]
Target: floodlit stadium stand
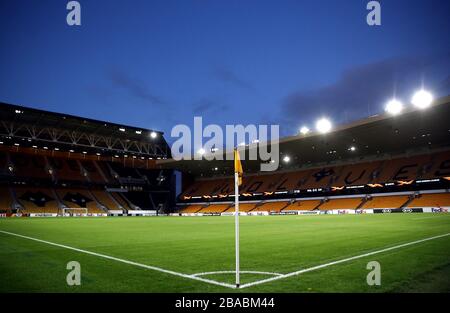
[386, 202]
[303, 205]
[272, 206]
[37, 200]
[214, 208]
[431, 200]
[51, 162]
[380, 162]
[347, 203]
[243, 207]
[400, 171]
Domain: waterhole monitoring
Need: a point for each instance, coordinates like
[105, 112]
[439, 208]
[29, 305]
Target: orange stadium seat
[272, 206]
[404, 169]
[191, 208]
[37, 200]
[303, 205]
[243, 207]
[121, 200]
[431, 200]
[357, 174]
[338, 204]
[440, 166]
[389, 202]
[106, 199]
[78, 198]
[214, 208]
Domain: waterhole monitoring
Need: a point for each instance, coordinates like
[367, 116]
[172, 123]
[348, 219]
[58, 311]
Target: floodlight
[422, 99]
[153, 135]
[286, 159]
[304, 130]
[323, 125]
[394, 107]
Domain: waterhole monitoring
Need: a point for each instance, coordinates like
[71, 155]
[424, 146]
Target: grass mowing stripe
[340, 261]
[154, 268]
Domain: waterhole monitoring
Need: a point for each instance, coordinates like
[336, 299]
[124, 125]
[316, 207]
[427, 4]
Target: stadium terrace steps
[106, 199]
[122, 200]
[430, 200]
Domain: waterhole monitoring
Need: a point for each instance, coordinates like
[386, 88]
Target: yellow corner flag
[238, 166]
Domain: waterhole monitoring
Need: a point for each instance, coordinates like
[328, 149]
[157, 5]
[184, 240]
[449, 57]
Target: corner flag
[238, 166]
[238, 173]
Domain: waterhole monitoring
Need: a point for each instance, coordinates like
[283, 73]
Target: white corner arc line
[154, 268]
[233, 272]
[340, 261]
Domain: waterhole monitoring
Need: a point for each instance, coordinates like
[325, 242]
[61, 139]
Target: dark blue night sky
[155, 64]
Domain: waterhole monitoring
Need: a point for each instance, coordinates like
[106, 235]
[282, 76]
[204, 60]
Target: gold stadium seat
[338, 204]
[388, 202]
[431, 200]
[272, 206]
[303, 205]
[214, 208]
[191, 208]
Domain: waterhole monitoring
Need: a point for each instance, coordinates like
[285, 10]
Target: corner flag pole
[238, 172]
[236, 222]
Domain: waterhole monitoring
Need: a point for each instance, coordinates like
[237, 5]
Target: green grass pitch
[190, 245]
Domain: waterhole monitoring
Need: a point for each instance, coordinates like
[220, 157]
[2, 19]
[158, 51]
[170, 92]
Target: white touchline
[339, 261]
[124, 261]
[258, 282]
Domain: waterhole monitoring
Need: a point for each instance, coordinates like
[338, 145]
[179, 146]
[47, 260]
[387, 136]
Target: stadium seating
[214, 208]
[396, 170]
[431, 200]
[78, 198]
[6, 200]
[243, 207]
[93, 172]
[191, 209]
[337, 204]
[37, 200]
[272, 206]
[303, 205]
[66, 170]
[388, 202]
[106, 199]
[29, 166]
[440, 166]
[121, 200]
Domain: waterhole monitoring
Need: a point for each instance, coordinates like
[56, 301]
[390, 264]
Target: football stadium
[104, 194]
[107, 186]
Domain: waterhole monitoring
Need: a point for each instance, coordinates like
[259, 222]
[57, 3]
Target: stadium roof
[29, 127]
[379, 136]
